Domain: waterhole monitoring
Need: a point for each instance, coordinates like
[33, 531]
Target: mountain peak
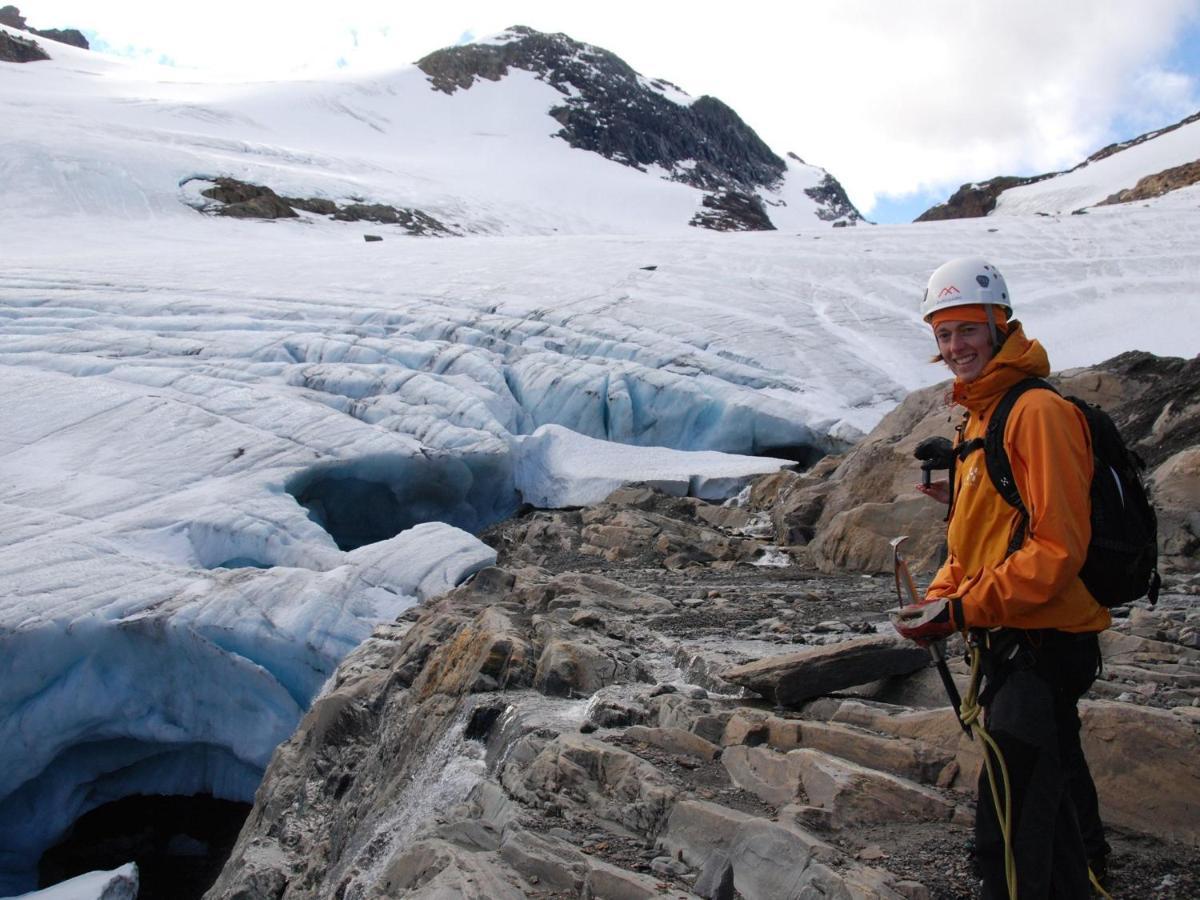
[610, 109]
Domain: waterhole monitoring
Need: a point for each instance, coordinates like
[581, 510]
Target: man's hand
[938, 490]
[925, 622]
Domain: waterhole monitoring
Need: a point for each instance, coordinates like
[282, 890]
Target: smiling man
[1013, 583]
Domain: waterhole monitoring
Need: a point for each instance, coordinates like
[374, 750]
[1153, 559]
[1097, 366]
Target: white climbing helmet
[963, 282]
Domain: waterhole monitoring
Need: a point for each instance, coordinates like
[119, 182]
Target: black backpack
[1122, 557]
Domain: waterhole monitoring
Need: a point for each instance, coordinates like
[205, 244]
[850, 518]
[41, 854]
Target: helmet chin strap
[992, 330]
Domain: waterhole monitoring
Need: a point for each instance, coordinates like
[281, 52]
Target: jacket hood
[1019, 358]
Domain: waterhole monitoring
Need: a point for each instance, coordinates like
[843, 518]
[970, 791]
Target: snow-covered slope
[101, 136]
[1098, 179]
[231, 448]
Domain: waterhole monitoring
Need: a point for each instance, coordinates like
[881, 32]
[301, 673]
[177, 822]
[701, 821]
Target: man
[1017, 590]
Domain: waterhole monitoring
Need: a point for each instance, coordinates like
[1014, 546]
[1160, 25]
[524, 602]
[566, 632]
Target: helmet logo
[983, 280]
[948, 291]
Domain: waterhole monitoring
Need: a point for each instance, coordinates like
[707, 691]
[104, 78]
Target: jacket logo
[973, 476]
[948, 291]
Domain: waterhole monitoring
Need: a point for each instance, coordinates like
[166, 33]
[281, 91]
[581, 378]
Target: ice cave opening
[179, 843]
[804, 455]
[371, 499]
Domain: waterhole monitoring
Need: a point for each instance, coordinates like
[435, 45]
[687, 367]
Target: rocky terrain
[663, 697]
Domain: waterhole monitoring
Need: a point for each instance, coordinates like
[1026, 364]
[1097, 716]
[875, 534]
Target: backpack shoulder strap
[995, 457]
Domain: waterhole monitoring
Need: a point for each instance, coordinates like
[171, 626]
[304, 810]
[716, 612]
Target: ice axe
[906, 591]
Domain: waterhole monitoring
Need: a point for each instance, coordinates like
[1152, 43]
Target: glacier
[230, 449]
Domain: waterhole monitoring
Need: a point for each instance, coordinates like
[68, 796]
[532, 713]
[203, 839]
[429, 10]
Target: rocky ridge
[608, 108]
[978, 199]
[572, 722]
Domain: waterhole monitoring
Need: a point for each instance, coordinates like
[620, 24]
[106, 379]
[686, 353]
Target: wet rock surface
[565, 725]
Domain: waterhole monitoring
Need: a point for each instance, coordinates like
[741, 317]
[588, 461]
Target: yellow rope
[971, 714]
[1096, 885]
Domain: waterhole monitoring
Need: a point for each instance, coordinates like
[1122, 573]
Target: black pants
[1033, 682]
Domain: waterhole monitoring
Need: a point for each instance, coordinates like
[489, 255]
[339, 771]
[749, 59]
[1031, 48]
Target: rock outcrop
[568, 724]
[20, 50]
[242, 200]
[1158, 184]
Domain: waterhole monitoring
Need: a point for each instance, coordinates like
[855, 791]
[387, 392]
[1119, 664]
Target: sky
[902, 101]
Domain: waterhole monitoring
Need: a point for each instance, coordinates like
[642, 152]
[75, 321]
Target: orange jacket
[1049, 446]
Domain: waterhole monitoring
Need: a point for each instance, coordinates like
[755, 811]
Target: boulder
[856, 794]
[1143, 761]
[765, 773]
[674, 740]
[792, 678]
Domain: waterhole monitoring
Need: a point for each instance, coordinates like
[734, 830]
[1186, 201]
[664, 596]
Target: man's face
[966, 348]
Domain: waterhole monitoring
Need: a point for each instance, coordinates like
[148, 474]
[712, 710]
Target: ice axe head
[906, 591]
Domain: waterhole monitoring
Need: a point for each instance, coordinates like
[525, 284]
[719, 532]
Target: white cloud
[892, 97]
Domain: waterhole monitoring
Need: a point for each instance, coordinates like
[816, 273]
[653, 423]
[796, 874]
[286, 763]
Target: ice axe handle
[939, 659]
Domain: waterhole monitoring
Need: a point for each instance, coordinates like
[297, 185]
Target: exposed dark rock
[243, 200]
[411, 220]
[72, 36]
[316, 205]
[20, 50]
[835, 205]
[728, 210]
[248, 201]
